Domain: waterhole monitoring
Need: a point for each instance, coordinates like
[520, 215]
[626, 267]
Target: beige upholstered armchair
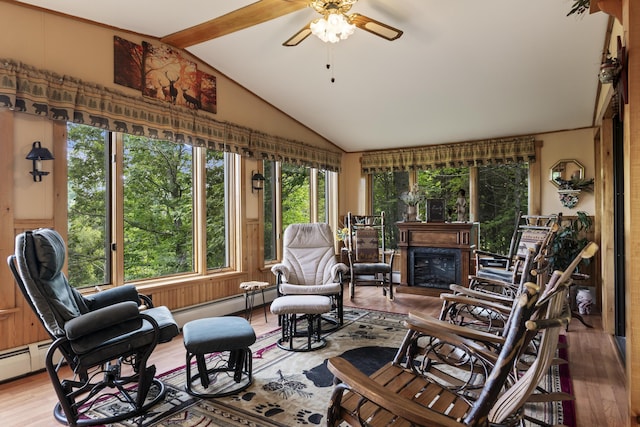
[309, 265]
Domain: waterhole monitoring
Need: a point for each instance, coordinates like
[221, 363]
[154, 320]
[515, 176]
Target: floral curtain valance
[451, 155]
[29, 90]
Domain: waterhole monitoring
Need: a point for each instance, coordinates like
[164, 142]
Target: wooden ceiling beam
[250, 15]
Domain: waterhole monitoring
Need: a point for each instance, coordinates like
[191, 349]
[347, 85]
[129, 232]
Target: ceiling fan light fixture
[332, 27]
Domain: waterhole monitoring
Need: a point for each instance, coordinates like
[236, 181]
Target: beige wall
[577, 145]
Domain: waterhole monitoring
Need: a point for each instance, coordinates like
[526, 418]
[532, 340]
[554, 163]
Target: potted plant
[411, 198]
[569, 190]
[570, 240]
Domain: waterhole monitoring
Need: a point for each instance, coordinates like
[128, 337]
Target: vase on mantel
[412, 212]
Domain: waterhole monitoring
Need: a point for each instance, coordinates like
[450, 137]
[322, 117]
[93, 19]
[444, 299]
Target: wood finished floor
[596, 370]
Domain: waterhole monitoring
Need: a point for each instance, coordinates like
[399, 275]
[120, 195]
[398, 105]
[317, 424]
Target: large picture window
[158, 208]
[217, 211]
[503, 191]
[386, 190]
[145, 190]
[88, 196]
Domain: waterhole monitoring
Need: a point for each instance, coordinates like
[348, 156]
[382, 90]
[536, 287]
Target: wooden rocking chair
[400, 395]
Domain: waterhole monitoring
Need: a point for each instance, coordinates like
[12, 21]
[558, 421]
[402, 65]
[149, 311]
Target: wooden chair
[398, 394]
[453, 367]
[370, 263]
[502, 272]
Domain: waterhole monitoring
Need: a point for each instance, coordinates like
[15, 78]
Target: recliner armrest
[112, 296]
[281, 269]
[102, 318]
[337, 269]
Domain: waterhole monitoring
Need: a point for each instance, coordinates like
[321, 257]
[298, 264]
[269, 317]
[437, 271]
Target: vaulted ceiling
[462, 70]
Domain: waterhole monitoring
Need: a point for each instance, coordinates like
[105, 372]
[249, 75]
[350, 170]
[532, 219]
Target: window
[386, 189]
[131, 209]
[301, 188]
[321, 198]
[295, 195]
[88, 226]
[217, 223]
[270, 210]
[503, 192]
[158, 208]
[444, 183]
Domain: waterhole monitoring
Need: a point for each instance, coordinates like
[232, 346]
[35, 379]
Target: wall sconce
[257, 181]
[37, 155]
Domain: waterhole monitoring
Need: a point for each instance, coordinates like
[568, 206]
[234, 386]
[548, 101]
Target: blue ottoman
[221, 335]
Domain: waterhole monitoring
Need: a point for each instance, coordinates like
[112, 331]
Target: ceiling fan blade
[375, 27]
[298, 37]
[252, 14]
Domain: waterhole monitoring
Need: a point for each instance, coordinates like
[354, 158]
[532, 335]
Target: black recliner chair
[105, 338]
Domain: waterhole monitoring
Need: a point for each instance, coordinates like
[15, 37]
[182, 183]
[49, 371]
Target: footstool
[227, 334]
[311, 307]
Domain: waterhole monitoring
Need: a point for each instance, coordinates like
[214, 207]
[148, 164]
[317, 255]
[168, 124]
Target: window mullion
[116, 154]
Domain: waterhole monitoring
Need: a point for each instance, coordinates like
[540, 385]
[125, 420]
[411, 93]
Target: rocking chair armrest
[489, 296]
[101, 319]
[430, 325]
[479, 253]
[112, 296]
[459, 299]
[357, 382]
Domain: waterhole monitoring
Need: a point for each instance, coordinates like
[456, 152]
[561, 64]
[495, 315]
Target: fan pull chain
[330, 61]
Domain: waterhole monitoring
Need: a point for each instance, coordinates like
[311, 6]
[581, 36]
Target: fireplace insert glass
[433, 267]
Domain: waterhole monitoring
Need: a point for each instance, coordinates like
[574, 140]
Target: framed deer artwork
[159, 71]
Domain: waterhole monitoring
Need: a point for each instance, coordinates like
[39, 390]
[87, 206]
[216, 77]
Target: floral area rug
[293, 388]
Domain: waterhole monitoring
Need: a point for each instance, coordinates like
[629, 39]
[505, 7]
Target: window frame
[115, 216]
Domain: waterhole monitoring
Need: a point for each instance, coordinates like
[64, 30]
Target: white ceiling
[463, 70]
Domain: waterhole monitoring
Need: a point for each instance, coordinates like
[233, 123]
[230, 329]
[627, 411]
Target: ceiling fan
[334, 21]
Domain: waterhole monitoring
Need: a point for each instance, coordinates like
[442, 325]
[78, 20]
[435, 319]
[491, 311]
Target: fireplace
[434, 255]
[433, 267]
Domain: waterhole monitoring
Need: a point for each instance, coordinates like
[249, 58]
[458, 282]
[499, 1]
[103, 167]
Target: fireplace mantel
[448, 241]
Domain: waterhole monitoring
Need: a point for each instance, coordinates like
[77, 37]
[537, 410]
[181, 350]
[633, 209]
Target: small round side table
[250, 290]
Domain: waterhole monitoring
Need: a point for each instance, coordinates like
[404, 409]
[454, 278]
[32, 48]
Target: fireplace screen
[433, 267]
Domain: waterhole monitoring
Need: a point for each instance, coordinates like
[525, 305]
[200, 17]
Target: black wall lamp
[257, 181]
[37, 155]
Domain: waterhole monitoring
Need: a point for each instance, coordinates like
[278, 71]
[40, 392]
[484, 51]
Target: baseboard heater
[18, 362]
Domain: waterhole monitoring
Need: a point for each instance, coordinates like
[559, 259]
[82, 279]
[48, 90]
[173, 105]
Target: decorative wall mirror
[567, 170]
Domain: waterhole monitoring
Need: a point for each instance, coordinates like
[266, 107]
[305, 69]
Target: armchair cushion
[326, 289]
[309, 255]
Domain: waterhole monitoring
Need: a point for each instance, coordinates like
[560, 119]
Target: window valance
[269, 147]
[59, 97]
[473, 153]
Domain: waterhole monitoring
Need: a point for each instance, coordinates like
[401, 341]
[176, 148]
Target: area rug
[293, 388]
